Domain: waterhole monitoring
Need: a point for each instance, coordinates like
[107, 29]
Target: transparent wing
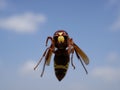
[81, 54]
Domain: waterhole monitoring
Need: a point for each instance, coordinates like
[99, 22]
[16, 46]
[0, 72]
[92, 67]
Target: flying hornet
[63, 48]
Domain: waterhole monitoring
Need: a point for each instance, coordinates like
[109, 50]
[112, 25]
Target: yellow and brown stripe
[60, 70]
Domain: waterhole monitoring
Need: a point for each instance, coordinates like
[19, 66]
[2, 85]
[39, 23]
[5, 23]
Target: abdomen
[61, 63]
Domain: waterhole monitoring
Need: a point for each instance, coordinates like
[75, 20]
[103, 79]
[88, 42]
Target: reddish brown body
[62, 46]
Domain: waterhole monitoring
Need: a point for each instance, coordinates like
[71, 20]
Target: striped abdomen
[61, 63]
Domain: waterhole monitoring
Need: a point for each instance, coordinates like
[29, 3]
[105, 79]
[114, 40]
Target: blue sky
[94, 26]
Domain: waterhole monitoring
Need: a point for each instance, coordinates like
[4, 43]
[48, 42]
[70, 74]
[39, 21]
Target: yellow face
[60, 36]
[61, 39]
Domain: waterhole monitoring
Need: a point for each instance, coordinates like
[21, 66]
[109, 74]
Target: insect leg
[81, 62]
[47, 58]
[48, 39]
[41, 58]
[43, 69]
[72, 51]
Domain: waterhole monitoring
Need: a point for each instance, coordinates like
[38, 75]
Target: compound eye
[65, 37]
[55, 38]
[56, 34]
[65, 34]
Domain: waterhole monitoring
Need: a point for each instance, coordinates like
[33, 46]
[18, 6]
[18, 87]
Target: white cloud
[109, 74]
[27, 68]
[3, 4]
[25, 23]
[112, 57]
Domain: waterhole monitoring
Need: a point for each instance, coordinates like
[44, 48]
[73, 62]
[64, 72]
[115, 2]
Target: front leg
[48, 39]
[44, 54]
[70, 46]
[71, 51]
[50, 51]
